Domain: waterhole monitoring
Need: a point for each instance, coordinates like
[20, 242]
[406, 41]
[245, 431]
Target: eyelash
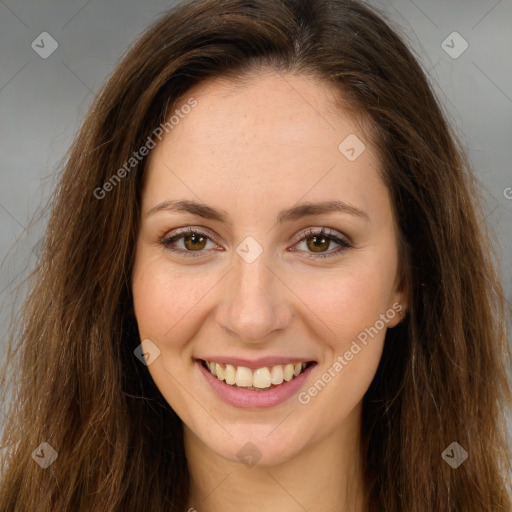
[344, 244]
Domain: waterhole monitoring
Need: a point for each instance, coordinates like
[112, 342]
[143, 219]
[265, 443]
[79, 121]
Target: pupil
[318, 242]
[194, 241]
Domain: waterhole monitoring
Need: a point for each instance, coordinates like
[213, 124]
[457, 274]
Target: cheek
[353, 305]
[357, 331]
[353, 336]
[347, 300]
[165, 302]
[164, 297]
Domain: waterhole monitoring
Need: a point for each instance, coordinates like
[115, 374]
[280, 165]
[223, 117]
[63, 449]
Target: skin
[252, 150]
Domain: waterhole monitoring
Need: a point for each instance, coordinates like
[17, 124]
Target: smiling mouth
[260, 379]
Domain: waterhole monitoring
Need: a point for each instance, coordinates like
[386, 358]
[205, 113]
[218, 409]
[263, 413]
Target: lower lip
[245, 399]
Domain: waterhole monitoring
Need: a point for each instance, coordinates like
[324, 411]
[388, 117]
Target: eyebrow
[294, 213]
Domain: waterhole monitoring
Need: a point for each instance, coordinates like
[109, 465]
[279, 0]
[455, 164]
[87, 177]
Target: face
[288, 263]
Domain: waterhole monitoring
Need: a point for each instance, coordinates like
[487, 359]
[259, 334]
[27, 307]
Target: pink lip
[244, 399]
[254, 364]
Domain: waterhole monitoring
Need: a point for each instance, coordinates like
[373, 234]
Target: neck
[325, 476]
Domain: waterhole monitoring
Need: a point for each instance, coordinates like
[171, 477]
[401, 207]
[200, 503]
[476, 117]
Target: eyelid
[176, 234]
[299, 237]
[344, 242]
[194, 230]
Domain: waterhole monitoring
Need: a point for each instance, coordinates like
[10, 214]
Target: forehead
[271, 136]
[267, 107]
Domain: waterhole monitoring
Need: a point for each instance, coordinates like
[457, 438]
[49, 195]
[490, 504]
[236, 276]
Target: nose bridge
[254, 304]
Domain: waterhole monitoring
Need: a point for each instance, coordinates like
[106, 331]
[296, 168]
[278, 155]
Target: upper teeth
[260, 378]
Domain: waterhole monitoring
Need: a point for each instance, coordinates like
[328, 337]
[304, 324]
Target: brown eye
[318, 243]
[188, 243]
[194, 241]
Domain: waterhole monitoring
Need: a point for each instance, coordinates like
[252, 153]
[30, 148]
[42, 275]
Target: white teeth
[277, 374]
[261, 378]
[288, 372]
[243, 377]
[229, 374]
[219, 371]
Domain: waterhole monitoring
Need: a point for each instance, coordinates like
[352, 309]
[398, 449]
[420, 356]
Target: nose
[255, 301]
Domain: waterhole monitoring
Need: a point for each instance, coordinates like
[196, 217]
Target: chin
[256, 445]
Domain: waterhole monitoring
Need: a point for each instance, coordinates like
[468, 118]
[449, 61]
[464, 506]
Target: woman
[266, 284]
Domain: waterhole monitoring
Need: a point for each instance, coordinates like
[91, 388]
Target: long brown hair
[76, 383]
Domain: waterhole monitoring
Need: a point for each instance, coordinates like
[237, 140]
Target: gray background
[43, 101]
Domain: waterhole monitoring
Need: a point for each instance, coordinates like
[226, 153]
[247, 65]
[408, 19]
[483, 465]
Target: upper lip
[256, 363]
